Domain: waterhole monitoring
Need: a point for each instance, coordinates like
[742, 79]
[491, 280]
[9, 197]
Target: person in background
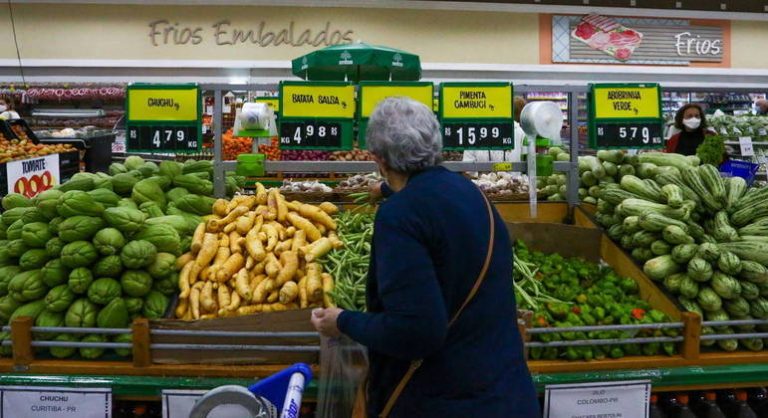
[513, 155]
[6, 109]
[691, 124]
[762, 107]
[441, 307]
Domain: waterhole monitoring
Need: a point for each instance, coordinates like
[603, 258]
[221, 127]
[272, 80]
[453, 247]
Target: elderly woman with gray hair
[441, 326]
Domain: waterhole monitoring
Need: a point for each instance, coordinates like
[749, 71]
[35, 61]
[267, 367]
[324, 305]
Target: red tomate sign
[34, 176]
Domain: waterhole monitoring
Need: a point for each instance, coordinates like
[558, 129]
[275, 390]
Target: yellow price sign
[163, 104]
[639, 102]
[316, 101]
[272, 102]
[371, 95]
[476, 102]
[502, 167]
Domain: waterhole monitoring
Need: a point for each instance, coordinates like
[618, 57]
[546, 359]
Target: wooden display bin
[584, 216]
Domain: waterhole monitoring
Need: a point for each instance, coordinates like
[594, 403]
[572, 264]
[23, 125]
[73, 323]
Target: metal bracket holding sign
[163, 118]
[625, 116]
[33, 402]
[371, 93]
[477, 116]
[624, 399]
[316, 115]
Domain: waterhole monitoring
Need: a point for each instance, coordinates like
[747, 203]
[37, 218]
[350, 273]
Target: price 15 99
[632, 135]
[309, 134]
[478, 135]
[163, 138]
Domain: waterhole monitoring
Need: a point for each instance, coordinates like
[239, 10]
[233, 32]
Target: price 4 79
[165, 136]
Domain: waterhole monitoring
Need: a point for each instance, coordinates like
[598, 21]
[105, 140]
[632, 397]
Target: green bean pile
[349, 265]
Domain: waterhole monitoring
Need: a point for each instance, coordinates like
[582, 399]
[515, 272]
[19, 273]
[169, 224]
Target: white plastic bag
[344, 365]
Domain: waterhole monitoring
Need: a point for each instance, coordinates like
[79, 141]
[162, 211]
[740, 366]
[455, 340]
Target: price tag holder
[163, 118]
[316, 115]
[624, 399]
[55, 402]
[477, 116]
[372, 93]
[745, 143]
[625, 116]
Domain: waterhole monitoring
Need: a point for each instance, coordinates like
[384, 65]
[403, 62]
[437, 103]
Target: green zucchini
[714, 183]
[644, 239]
[646, 170]
[699, 269]
[722, 229]
[631, 224]
[660, 267]
[616, 195]
[725, 286]
[749, 213]
[752, 196]
[655, 222]
[729, 263]
[748, 250]
[660, 247]
[753, 272]
[735, 188]
[638, 207]
[612, 156]
[709, 252]
[637, 186]
[674, 234]
[664, 159]
[642, 254]
[672, 195]
[683, 253]
[692, 178]
[757, 227]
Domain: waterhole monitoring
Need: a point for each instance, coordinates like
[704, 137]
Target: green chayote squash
[48, 318]
[27, 286]
[196, 204]
[138, 254]
[15, 200]
[80, 279]
[79, 228]
[108, 198]
[33, 215]
[127, 203]
[36, 234]
[47, 201]
[133, 162]
[78, 254]
[102, 291]
[53, 225]
[12, 215]
[31, 309]
[16, 248]
[123, 183]
[109, 266]
[54, 273]
[92, 352]
[123, 338]
[109, 241]
[14, 231]
[81, 314]
[7, 273]
[155, 305]
[53, 247]
[8, 306]
[78, 203]
[148, 191]
[114, 315]
[64, 352]
[163, 266]
[126, 220]
[59, 298]
[134, 305]
[136, 283]
[148, 169]
[163, 236]
[116, 168]
[33, 259]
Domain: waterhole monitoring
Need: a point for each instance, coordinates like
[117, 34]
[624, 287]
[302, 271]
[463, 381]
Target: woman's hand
[374, 192]
[324, 321]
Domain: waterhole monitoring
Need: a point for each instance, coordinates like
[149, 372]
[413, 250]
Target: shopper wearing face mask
[692, 126]
[6, 109]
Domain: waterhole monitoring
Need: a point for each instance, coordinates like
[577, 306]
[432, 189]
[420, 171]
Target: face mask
[692, 123]
[3, 108]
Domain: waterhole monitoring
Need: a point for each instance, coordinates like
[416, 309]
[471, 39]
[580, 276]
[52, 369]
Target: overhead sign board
[316, 115]
[372, 93]
[625, 116]
[163, 118]
[477, 116]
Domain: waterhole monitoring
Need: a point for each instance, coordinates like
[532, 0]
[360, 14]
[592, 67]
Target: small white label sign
[178, 403]
[745, 143]
[627, 399]
[54, 402]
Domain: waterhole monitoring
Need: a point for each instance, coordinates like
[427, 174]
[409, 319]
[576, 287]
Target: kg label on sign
[53, 402]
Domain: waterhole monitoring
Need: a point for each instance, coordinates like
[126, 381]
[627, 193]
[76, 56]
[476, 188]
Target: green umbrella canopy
[358, 62]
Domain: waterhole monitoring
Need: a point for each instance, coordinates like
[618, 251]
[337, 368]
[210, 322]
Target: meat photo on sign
[606, 35]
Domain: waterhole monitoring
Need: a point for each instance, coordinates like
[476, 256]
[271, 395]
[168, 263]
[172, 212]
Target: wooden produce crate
[699, 356]
[591, 244]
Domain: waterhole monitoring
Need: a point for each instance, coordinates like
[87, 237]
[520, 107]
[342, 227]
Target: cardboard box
[288, 321]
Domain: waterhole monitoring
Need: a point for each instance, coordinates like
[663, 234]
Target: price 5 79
[631, 132]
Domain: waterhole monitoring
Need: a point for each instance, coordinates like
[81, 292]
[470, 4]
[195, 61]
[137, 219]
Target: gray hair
[406, 134]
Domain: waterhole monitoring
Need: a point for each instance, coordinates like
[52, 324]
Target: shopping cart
[261, 399]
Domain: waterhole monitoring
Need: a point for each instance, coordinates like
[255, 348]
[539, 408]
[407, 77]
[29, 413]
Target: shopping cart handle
[284, 384]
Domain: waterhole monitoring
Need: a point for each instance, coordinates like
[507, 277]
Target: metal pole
[573, 173]
[219, 187]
